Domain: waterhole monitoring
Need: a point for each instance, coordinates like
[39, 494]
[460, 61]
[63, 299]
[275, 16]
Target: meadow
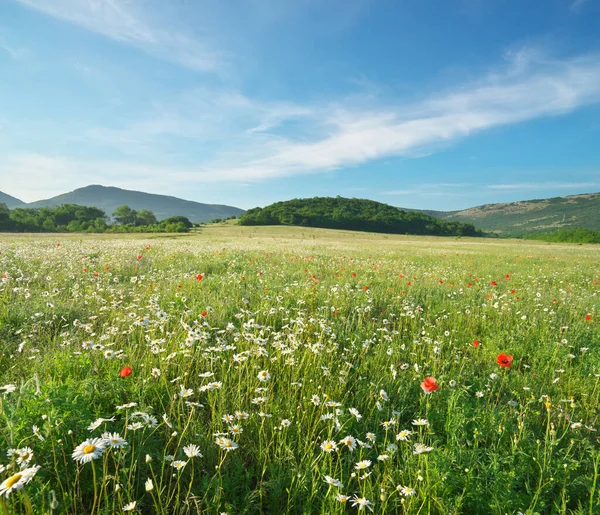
[248, 370]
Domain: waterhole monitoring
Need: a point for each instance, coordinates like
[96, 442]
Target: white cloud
[154, 32]
[547, 185]
[223, 136]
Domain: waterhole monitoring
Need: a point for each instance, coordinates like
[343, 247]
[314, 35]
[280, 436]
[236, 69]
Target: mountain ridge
[108, 198]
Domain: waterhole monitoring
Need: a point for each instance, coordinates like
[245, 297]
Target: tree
[124, 215]
[145, 217]
[5, 221]
[176, 219]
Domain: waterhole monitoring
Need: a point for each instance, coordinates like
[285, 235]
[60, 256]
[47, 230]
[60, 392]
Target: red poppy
[503, 360]
[199, 277]
[429, 385]
[494, 283]
[475, 343]
[125, 371]
[588, 317]
[139, 256]
[204, 313]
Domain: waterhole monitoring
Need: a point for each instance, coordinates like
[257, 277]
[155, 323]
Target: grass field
[283, 370]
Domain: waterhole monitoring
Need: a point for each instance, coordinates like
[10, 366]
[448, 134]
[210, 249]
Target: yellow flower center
[12, 480]
[89, 449]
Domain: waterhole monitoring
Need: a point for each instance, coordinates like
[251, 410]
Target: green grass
[347, 325]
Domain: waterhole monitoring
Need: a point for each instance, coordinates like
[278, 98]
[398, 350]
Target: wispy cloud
[548, 185]
[232, 138]
[576, 5]
[154, 32]
[527, 88]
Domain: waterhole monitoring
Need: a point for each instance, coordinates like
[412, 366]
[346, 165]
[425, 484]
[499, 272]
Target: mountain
[108, 198]
[541, 215]
[10, 202]
[353, 214]
[528, 216]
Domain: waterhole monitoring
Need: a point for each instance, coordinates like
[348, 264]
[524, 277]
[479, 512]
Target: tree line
[354, 214]
[76, 218]
[566, 236]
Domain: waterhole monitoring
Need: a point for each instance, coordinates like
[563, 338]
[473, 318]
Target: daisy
[135, 426]
[342, 498]
[406, 491]
[361, 502]
[403, 435]
[130, 506]
[349, 441]
[420, 422]
[24, 455]
[89, 450]
[114, 440]
[333, 482]
[226, 444]
[364, 464]
[355, 413]
[156, 373]
[149, 485]
[97, 423]
[263, 375]
[329, 446]
[192, 451]
[420, 448]
[37, 432]
[371, 437]
[18, 481]
[178, 464]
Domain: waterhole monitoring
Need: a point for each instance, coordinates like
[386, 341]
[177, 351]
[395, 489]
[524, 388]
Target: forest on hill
[356, 215]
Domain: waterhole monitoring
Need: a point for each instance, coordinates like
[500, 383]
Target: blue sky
[416, 103]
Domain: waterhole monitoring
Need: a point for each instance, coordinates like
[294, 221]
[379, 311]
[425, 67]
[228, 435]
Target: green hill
[353, 214]
[10, 201]
[529, 216]
[109, 198]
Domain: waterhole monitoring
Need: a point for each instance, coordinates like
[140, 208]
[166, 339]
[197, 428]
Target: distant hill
[10, 202]
[108, 198]
[543, 215]
[353, 214]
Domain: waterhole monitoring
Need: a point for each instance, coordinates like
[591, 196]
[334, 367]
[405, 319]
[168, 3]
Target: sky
[416, 103]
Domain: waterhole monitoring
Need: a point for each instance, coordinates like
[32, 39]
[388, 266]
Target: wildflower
[420, 448]
[192, 451]
[452, 383]
[479, 394]
[18, 481]
[127, 406]
[130, 506]
[361, 502]
[475, 343]
[98, 422]
[135, 426]
[329, 446]
[263, 375]
[8, 388]
[185, 392]
[406, 491]
[355, 413]
[114, 440]
[342, 498]
[125, 371]
[149, 485]
[333, 482]
[383, 457]
[226, 444]
[420, 422]
[364, 464]
[503, 360]
[315, 400]
[37, 432]
[403, 435]
[285, 423]
[156, 373]
[429, 385]
[89, 450]
[24, 455]
[178, 465]
[371, 437]
[349, 441]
